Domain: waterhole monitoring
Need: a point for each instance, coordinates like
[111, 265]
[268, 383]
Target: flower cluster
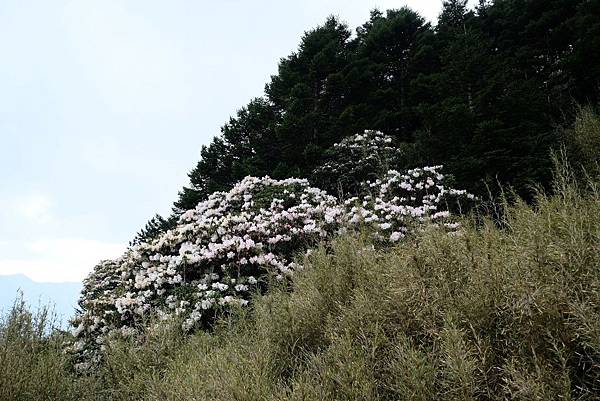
[399, 202]
[231, 245]
[355, 160]
[221, 252]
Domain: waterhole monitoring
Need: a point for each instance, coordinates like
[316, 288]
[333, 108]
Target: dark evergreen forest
[486, 92]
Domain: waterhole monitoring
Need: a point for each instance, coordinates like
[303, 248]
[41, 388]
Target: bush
[235, 243]
[221, 252]
[32, 363]
[354, 161]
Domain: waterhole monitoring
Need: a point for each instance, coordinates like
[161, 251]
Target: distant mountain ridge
[62, 296]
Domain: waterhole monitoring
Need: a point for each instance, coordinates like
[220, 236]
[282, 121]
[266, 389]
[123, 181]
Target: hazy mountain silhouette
[62, 296]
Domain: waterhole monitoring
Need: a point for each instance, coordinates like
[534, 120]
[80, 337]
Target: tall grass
[32, 366]
[493, 314]
[583, 140]
[502, 312]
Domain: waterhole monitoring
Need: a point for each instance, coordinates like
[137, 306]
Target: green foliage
[264, 197]
[348, 165]
[32, 364]
[154, 226]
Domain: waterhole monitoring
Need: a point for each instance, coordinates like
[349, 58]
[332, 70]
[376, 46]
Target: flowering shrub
[217, 256]
[400, 201]
[231, 245]
[355, 160]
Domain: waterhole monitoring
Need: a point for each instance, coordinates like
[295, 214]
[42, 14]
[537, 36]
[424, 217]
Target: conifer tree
[482, 92]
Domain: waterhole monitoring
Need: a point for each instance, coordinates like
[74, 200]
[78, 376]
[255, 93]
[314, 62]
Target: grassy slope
[510, 313]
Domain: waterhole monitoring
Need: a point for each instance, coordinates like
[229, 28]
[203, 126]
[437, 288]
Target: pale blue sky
[104, 106]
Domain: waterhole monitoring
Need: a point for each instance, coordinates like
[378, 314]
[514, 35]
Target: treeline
[483, 92]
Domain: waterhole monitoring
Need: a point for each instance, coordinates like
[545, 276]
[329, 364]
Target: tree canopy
[482, 92]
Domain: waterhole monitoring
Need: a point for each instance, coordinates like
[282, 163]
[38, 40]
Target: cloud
[61, 260]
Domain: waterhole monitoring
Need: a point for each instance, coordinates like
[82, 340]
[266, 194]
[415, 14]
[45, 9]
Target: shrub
[235, 243]
[354, 161]
[32, 363]
[219, 254]
[393, 205]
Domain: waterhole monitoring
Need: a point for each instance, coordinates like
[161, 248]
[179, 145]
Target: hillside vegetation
[503, 311]
[239, 242]
[321, 252]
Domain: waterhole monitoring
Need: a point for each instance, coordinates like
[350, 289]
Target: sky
[104, 106]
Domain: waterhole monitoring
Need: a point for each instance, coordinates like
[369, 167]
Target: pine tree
[381, 96]
[153, 227]
[308, 93]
